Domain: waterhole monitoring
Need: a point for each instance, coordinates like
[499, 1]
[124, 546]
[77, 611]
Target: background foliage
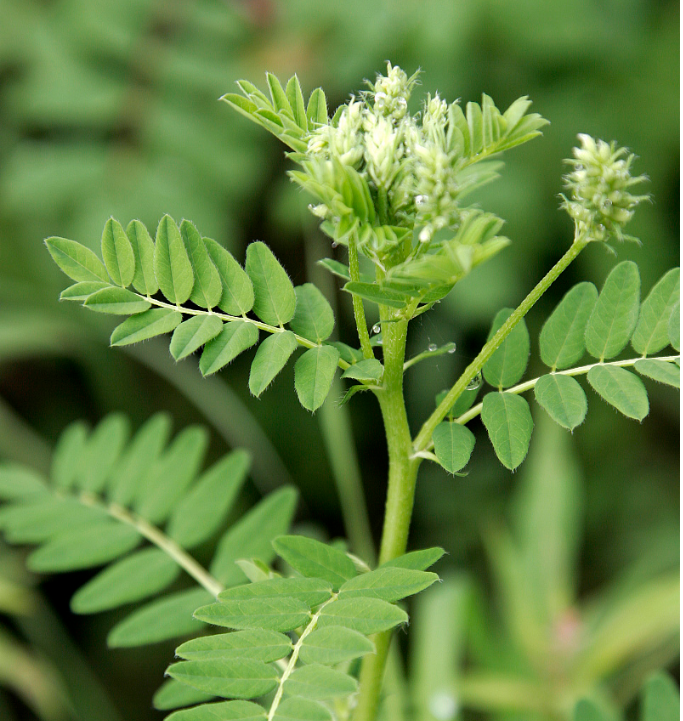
[109, 108]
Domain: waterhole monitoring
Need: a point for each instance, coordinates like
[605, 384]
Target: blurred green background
[109, 107]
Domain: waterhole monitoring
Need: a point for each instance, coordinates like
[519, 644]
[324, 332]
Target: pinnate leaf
[76, 261]
[621, 389]
[274, 296]
[207, 289]
[224, 711]
[117, 252]
[240, 678]
[508, 421]
[314, 559]
[453, 445]
[193, 334]
[257, 644]
[334, 644]
[150, 323]
[365, 615]
[563, 399]
[616, 312]
[235, 337]
[388, 584]
[507, 365]
[271, 357]
[237, 296]
[313, 317]
[314, 374]
[652, 331]
[144, 279]
[562, 339]
[660, 371]
[172, 265]
[117, 301]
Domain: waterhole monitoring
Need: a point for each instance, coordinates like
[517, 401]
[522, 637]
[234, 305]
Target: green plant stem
[424, 437]
[358, 308]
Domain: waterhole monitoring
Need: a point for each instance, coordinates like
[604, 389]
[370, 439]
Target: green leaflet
[464, 402]
[271, 357]
[82, 291]
[313, 317]
[138, 458]
[314, 559]
[160, 620]
[117, 301]
[416, 560]
[660, 371]
[174, 694]
[562, 339]
[193, 334]
[652, 331]
[375, 294]
[314, 374]
[334, 644]
[19, 482]
[117, 252]
[101, 452]
[310, 591]
[621, 389]
[144, 279]
[224, 711]
[660, 699]
[296, 102]
[507, 365]
[142, 326]
[202, 511]
[66, 454]
[388, 584]
[234, 338]
[252, 535]
[131, 579]
[508, 421]
[369, 369]
[274, 296]
[92, 545]
[588, 711]
[76, 261]
[453, 445]
[616, 312]
[237, 296]
[276, 614]
[320, 682]
[278, 96]
[316, 112]
[674, 330]
[365, 615]
[239, 678]
[296, 708]
[562, 398]
[172, 265]
[170, 476]
[256, 644]
[208, 288]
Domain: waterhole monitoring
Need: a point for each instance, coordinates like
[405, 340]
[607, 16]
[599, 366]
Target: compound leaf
[314, 375]
[507, 365]
[172, 265]
[652, 331]
[388, 584]
[313, 317]
[320, 682]
[660, 371]
[239, 678]
[453, 445]
[508, 421]
[144, 279]
[117, 301]
[274, 296]
[621, 389]
[76, 261]
[194, 333]
[334, 644]
[208, 288]
[615, 313]
[150, 323]
[257, 644]
[562, 398]
[235, 337]
[271, 357]
[237, 297]
[314, 559]
[117, 252]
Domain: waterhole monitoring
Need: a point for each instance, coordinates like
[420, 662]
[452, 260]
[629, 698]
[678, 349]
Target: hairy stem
[424, 437]
[358, 308]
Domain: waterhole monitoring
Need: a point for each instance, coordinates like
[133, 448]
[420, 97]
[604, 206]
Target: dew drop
[452, 350]
[420, 199]
[475, 383]
[335, 244]
[376, 328]
[432, 347]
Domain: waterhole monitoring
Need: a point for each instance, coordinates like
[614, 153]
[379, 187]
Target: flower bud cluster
[601, 202]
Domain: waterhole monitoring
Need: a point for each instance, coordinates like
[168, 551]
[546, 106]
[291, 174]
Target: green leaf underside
[453, 445]
[117, 301]
[388, 584]
[660, 699]
[317, 107]
[82, 291]
[208, 288]
[334, 644]
[172, 265]
[203, 510]
[76, 261]
[314, 559]
[319, 682]
[174, 694]
[310, 591]
[301, 709]
[271, 357]
[230, 678]
[131, 579]
[237, 296]
[562, 398]
[660, 371]
[143, 326]
[507, 419]
[507, 365]
[369, 369]
[365, 615]
[615, 313]
[313, 317]
[621, 389]
[144, 279]
[562, 339]
[276, 614]
[93, 545]
[416, 560]
[314, 374]
[652, 331]
[235, 337]
[19, 482]
[223, 711]
[255, 644]
[193, 334]
[674, 330]
[160, 620]
[274, 296]
[118, 255]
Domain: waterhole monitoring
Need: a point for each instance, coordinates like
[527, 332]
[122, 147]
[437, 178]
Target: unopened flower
[392, 92]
